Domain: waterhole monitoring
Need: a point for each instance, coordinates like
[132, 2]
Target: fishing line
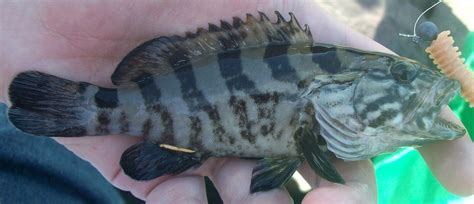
[415, 37]
[444, 54]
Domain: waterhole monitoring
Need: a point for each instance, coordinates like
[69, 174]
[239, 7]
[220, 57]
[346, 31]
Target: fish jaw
[439, 129]
[445, 130]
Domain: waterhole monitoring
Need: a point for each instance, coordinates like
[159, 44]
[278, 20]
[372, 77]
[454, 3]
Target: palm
[85, 41]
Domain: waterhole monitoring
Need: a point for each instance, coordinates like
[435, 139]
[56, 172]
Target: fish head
[402, 99]
[379, 103]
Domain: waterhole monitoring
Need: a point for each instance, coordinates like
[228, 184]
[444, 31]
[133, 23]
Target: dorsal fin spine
[237, 22]
[263, 17]
[225, 25]
[280, 18]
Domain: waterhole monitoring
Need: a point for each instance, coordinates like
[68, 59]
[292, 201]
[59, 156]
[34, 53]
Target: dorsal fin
[166, 54]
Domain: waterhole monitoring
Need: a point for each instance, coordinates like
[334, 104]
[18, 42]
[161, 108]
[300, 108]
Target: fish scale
[251, 89]
[201, 94]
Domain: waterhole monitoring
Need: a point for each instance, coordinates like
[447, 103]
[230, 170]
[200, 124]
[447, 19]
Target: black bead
[427, 30]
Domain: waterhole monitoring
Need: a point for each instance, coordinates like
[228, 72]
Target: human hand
[84, 41]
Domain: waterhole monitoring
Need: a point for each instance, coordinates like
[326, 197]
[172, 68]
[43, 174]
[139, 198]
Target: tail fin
[43, 104]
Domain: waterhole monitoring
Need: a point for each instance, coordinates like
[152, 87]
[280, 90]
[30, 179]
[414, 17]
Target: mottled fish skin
[247, 102]
[241, 103]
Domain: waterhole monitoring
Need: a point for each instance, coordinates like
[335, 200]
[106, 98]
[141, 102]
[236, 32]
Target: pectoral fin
[308, 145]
[272, 173]
[146, 161]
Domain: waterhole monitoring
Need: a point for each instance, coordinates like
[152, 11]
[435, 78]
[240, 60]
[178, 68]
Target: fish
[252, 88]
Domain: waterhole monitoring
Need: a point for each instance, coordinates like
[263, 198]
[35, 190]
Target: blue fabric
[38, 170]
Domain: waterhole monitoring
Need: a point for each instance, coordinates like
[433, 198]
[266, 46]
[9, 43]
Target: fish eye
[404, 72]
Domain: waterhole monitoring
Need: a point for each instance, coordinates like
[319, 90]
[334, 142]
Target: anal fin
[146, 161]
[272, 173]
[316, 158]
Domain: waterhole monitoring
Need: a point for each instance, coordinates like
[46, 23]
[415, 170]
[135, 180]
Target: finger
[104, 154]
[232, 177]
[360, 186]
[452, 161]
[140, 189]
[180, 189]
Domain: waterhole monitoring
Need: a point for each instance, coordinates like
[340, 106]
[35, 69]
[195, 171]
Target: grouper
[252, 88]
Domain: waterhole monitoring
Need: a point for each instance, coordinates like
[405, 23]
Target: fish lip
[445, 130]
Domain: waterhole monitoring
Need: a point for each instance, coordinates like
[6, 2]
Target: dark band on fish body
[148, 89]
[230, 66]
[231, 69]
[326, 58]
[265, 112]
[168, 131]
[124, 123]
[194, 97]
[260, 100]
[214, 116]
[105, 97]
[266, 97]
[166, 120]
[103, 121]
[147, 125]
[322, 49]
[239, 107]
[276, 57]
[195, 136]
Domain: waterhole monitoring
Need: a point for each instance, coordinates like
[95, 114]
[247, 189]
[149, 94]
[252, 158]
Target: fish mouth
[445, 130]
[431, 104]
[443, 91]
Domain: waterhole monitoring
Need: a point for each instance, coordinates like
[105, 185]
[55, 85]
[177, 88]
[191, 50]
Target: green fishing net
[403, 176]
